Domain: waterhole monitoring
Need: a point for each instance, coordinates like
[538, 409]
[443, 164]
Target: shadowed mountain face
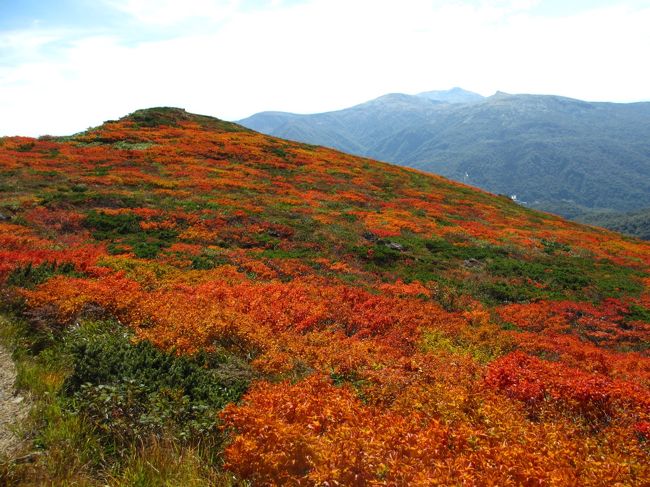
[553, 153]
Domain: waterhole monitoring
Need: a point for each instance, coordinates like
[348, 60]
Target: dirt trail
[13, 407]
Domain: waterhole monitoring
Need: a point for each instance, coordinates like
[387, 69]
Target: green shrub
[130, 391]
[638, 313]
[207, 261]
[501, 292]
[124, 228]
[30, 276]
[557, 274]
[107, 226]
[446, 250]
[147, 250]
[551, 246]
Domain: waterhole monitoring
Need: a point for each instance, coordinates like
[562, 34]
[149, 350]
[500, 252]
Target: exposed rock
[394, 246]
[370, 237]
[472, 262]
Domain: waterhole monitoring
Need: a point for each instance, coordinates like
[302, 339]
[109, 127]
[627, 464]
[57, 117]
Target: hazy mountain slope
[547, 150]
[455, 95]
[353, 130]
[197, 303]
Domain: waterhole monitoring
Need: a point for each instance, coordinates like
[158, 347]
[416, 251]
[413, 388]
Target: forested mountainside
[635, 223]
[195, 301]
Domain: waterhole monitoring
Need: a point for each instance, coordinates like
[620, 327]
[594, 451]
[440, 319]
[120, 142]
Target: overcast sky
[66, 65]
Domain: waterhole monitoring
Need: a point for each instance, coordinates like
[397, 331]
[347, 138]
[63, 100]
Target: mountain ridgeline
[557, 154]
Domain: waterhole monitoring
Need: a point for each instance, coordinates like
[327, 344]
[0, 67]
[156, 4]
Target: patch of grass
[503, 292]
[64, 445]
[511, 276]
[444, 249]
[103, 353]
[107, 409]
[125, 145]
[279, 152]
[26, 147]
[435, 340]
[87, 199]
[101, 171]
[164, 463]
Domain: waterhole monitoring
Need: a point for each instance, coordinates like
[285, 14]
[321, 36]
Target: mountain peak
[455, 95]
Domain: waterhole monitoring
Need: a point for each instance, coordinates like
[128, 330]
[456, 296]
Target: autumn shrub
[595, 397]
[313, 433]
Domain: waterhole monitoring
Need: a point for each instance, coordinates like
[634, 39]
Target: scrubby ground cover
[189, 293]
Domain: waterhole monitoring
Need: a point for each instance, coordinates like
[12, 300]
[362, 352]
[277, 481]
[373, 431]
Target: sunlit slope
[402, 328]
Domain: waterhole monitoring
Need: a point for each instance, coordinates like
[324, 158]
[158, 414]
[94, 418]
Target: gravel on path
[13, 407]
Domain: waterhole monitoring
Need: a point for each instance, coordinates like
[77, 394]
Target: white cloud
[325, 54]
[28, 40]
[167, 12]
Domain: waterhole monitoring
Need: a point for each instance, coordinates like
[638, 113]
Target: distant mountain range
[558, 154]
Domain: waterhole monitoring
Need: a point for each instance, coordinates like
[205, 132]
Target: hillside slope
[552, 152]
[347, 321]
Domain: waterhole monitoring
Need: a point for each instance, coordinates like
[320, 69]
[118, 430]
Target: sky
[67, 65]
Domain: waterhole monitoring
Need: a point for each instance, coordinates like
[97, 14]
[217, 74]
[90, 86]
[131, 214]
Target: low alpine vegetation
[194, 303]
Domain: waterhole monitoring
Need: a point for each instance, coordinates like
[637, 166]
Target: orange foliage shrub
[594, 396]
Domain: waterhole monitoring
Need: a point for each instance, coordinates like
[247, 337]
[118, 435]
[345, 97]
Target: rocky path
[13, 408]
